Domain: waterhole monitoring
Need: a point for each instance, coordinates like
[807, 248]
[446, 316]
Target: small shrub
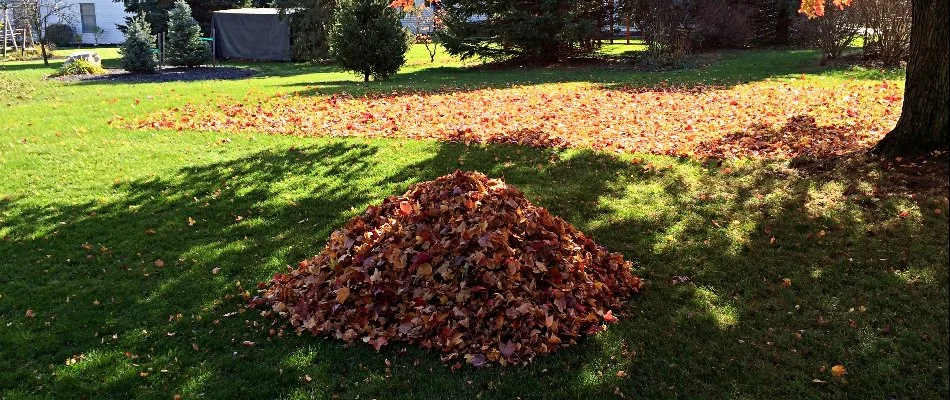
[723, 24]
[80, 67]
[60, 35]
[832, 33]
[184, 46]
[368, 38]
[137, 55]
[889, 23]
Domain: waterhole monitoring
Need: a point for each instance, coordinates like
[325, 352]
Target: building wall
[108, 14]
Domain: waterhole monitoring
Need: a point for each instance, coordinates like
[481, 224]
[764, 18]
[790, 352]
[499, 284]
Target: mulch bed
[165, 75]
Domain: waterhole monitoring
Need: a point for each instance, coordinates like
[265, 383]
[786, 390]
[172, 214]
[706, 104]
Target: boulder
[89, 56]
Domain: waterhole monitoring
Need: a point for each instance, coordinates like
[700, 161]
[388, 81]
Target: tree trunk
[922, 127]
[43, 52]
[365, 77]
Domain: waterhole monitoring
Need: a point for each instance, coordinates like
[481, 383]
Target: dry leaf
[342, 294]
[838, 370]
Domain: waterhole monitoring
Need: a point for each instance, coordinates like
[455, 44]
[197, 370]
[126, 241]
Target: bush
[184, 46]
[674, 28]
[889, 23]
[722, 24]
[368, 38]
[529, 30]
[136, 51]
[80, 67]
[60, 35]
[832, 33]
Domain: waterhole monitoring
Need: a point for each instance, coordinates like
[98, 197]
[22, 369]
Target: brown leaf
[342, 294]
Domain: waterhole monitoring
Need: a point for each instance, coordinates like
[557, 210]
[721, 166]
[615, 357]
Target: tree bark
[43, 52]
[922, 127]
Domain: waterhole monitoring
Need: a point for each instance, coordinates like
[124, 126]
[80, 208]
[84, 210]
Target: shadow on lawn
[727, 69]
[714, 321]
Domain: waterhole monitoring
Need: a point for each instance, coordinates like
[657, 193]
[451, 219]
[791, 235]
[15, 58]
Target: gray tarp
[251, 34]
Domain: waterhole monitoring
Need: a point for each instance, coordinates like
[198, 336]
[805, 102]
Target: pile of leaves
[463, 264]
[756, 120]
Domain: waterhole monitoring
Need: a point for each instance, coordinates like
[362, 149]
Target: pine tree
[136, 51]
[529, 30]
[184, 46]
[368, 38]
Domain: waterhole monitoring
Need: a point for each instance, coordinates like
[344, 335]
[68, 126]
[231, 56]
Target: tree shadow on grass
[728, 69]
[714, 321]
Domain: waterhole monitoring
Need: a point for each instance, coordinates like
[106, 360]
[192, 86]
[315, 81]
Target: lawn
[124, 253]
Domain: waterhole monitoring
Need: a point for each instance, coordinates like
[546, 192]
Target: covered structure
[251, 34]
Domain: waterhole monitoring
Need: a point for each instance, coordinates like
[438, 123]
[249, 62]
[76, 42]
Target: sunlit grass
[716, 319]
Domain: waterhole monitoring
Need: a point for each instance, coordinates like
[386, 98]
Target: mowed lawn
[125, 254]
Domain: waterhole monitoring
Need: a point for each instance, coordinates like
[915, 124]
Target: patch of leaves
[770, 119]
[463, 264]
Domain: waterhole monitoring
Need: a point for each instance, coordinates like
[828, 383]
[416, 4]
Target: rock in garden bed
[165, 75]
[464, 264]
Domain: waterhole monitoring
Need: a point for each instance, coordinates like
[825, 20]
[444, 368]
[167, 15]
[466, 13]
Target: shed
[251, 34]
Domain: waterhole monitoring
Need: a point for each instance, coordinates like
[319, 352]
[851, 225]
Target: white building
[86, 16]
[105, 14]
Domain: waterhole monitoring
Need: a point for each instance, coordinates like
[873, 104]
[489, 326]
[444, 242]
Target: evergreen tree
[136, 51]
[368, 38]
[310, 23]
[531, 30]
[183, 45]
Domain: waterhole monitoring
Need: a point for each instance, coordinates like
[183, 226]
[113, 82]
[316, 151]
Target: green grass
[77, 198]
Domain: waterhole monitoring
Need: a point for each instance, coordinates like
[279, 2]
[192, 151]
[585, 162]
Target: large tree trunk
[922, 127]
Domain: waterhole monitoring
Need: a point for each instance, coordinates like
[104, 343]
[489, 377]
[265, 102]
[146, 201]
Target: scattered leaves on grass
[463, 264]
[770, 119]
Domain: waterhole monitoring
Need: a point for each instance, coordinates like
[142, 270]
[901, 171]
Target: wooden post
[5, 28]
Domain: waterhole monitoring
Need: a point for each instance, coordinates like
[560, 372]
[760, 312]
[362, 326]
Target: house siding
[108, 15]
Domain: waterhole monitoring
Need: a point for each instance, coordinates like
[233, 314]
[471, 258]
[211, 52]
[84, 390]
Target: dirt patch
[165, 75]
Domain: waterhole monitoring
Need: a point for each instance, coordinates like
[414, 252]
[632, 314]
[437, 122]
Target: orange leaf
[839, 370]
[342, 294]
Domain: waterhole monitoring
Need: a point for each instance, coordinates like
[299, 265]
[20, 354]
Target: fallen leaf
[191, 221]
[159, 263]
[30, 314]
[838, 370]
[342, 294]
